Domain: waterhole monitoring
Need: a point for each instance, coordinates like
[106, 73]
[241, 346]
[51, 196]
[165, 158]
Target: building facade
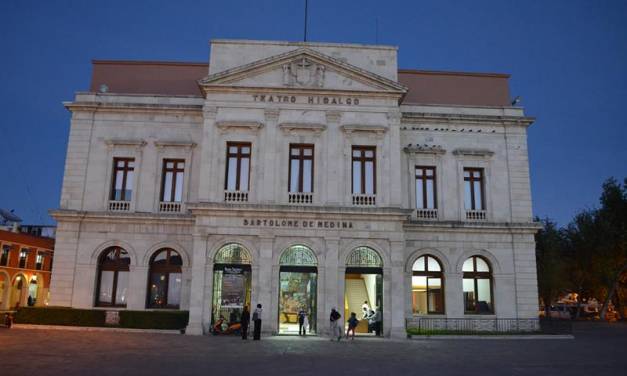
[25, 270]
[302, 176]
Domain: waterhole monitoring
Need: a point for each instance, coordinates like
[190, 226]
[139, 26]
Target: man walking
[302, 317]
[257, 321]
[334, 318]
[245, 321]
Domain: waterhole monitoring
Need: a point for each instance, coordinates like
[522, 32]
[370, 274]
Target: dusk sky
[568, 61]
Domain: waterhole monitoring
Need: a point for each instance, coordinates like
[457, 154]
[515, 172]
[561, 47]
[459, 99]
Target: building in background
[25, 269]
[303, 176]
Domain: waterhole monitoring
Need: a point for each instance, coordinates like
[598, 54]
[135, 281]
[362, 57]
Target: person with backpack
[257, 321]
[335, 328]
[352, 324]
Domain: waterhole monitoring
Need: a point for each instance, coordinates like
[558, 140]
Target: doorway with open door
[298, 291]
[363, 291]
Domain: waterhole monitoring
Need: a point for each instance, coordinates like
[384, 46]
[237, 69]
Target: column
[333, 286]
[196, 300]
[264, 290]
[396, 310]
[138, 275]
[453, 294]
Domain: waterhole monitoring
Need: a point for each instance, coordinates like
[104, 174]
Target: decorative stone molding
[394, 116]
[424, 149]
[316, 128]
[176, 144]
[272, 114]
[209, 112]
[473, 152]
[225, 125]
[333, 116]
[136, 143]
[350, 128]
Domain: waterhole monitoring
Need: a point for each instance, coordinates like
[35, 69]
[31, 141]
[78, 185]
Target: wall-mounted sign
[311, 99]
[287, 223]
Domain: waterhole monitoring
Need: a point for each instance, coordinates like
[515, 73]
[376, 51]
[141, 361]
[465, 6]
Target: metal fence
[465, 326]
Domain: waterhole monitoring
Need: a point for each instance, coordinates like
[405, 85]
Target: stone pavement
[598, 349]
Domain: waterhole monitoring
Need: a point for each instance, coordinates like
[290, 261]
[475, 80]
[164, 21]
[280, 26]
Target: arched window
[298, 255]
[427, 286]
[113, 267]
[164, 283]
[364, 257]
[477, 286]
[234, 254]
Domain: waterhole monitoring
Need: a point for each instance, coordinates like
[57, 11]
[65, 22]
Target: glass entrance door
[231, 292]
[297, 291]
[363, 295]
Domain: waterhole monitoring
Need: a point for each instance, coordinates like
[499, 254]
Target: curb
[93, 329]
[526, 337]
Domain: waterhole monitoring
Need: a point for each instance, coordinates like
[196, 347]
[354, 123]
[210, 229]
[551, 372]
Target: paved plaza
[597, 349]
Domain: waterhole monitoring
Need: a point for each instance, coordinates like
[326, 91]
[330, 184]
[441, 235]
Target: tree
[549, 254]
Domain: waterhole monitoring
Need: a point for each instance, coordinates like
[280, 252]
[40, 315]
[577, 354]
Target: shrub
[96, 317]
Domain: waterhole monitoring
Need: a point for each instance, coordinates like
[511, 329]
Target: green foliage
[550, 250]
[96, 318]
[154, 319]
[60, 316]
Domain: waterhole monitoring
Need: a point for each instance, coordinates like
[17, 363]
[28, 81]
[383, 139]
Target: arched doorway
[33, 288]
[4, 290]
[363, 290]
[298, 288]
[231, 283]
[17, 291]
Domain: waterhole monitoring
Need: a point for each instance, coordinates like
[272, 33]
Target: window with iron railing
[122, 179]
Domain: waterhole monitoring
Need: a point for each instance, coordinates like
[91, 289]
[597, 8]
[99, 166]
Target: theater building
[299, 176]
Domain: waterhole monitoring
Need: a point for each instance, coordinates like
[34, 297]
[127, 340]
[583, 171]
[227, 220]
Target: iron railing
[478, 326]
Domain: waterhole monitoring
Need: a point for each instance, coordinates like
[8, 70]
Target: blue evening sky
[568, 61]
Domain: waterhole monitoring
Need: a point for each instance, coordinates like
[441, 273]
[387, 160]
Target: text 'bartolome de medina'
[306, 99]
[297, 223]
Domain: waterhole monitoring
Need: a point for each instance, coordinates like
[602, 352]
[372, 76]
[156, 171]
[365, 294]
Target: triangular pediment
[303, 69]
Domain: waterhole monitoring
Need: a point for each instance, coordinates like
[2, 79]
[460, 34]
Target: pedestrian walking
[352, 324]
[245, 321]
[334, 318]
[378, 322]
[257, 322]
[302, 317]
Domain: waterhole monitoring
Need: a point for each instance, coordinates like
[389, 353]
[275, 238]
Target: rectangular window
[425, 188]
[172, 180]
[39, 262]
[4, 257]
[301, 168]
[364, 170]
[237, 166]
[473, 189]
[23, 257]
[122, 181]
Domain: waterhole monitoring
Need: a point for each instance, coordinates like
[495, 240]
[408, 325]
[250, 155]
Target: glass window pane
[419, 265]
[308, 152]
[129, 186]
[119, 163]
[430, 195]
[467, 196]
[419, 195]
[122, 287]
[484, 298]
[468, 267]
[167, 187]
[419, 294]
[419, 171]
[294, 171]
[295, 151]
[307, 174]
[357, 177]
[130, 164]
[245, 149]
[174, 289]
[106, 287]
[356, 153]
[433, 265]
[369, 178]
[231, 176]
[466, 174]
[157, 289]
[434, 291]
[160, 258]
[243, 179]
[175, 258]
[232, 149]
[429, 172]
[478, 198]
[482, 266]
[178, 189]
[369, 153]
[169, 165]
[469, 294]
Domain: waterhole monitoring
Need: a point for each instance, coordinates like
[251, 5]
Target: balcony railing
[235, 196]
[119, 206]
[300, 198]
[427, 214]
[476, 215]
[364, 200]
[170, 207]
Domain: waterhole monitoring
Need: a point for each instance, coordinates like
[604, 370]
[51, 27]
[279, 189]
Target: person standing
[365, 309]
[378, 321]
[352, 324]
[257, 322]
[302, 316]
[245, 321]
[335, 328]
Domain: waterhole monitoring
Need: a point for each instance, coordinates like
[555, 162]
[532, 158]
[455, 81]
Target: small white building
[302, 176]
